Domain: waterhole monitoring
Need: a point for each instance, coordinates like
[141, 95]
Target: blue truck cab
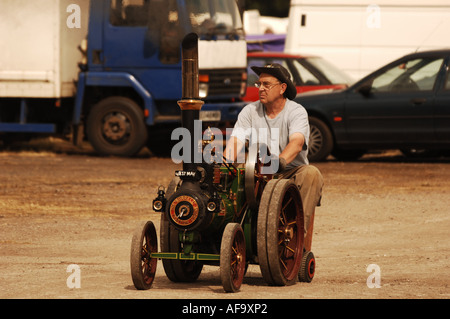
[129, 83]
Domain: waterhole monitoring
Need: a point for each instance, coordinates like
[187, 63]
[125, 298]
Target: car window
[260, 62]
[306, 76]
[426, 75]
[414, 75]
[127, 14]
[447, 84]
[328, 70]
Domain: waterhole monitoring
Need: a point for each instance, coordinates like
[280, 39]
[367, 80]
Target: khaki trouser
[309, 181]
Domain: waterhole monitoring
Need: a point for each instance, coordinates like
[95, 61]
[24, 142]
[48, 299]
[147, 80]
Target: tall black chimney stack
[190, 104]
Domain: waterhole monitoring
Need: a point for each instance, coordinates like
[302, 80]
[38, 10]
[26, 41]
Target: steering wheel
[407, 84]
[255, 180]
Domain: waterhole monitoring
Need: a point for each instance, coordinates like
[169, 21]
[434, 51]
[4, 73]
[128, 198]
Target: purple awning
[266, 42]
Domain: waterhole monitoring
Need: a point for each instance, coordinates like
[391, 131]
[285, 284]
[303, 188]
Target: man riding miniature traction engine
[219, 213]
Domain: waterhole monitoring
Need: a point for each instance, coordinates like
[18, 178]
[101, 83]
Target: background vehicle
[120, 87]
[404, 105]
[360, 36]
[308, 72]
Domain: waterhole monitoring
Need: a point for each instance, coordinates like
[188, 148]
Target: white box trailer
[40, 38]
[359, 36]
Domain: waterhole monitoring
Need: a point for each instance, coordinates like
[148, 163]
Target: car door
[442, 108]
[394, 108]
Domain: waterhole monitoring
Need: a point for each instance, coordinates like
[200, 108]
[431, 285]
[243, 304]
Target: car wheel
[320, 140]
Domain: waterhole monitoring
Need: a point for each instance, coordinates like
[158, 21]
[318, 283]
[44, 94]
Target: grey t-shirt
[254, 125]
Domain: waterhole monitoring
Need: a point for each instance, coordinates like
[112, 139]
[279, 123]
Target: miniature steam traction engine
[219, 214]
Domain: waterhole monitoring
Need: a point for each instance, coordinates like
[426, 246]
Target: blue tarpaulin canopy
[266, 42]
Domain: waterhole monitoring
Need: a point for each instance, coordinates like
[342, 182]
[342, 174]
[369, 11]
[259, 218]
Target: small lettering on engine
[185, 173]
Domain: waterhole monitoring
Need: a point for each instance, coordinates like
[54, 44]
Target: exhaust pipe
[190, 67]
[190, 104]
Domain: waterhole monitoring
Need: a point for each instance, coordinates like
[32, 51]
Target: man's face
[270, 88]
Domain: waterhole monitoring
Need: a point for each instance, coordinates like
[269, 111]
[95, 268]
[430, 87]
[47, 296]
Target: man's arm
[295, 145]
[233, 148]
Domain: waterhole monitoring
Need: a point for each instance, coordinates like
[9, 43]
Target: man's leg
[309, 181]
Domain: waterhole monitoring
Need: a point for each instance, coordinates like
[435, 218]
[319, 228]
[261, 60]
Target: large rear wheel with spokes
[280, 232]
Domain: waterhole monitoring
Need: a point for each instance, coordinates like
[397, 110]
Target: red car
[308, 72]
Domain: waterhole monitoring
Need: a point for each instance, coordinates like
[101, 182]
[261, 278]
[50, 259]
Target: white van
[359, 36]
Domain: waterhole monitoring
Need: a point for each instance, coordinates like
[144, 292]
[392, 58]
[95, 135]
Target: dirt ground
[61, 206]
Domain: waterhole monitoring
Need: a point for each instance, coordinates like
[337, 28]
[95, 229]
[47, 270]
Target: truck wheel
[320, 140]
[115, 126]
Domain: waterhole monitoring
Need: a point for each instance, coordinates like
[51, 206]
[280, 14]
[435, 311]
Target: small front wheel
[232, 257]
[143, 266]
[307, 268]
